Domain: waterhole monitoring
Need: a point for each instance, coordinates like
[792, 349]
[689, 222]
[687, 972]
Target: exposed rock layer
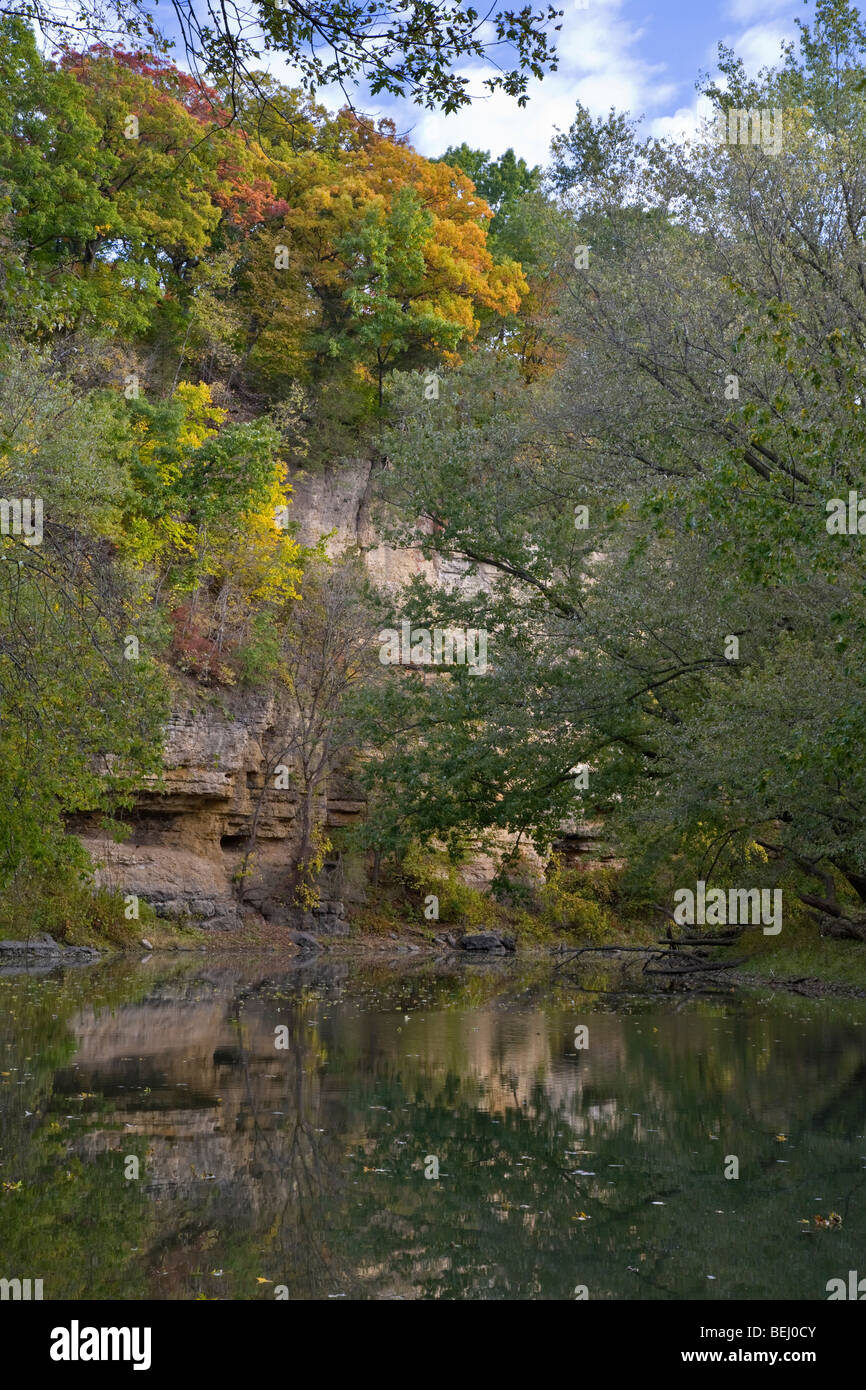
[187, 851]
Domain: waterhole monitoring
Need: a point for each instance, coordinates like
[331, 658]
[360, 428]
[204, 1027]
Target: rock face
[189, 838]
[338, 500]
[187, 851]
[328, 919]
[304, 941]
[584, 845]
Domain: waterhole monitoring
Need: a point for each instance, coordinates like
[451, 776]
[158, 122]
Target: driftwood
[720, 940]
[851, 928]
[609, 950]
[669, 946]
[606, 951]
[836, 921]
[668, 950]
[828, 905]
[694, 968]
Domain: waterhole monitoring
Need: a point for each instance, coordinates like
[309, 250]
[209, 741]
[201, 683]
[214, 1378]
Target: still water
[308, 1170]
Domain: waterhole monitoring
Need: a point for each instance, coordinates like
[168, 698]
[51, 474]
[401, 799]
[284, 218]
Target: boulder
[43, 948]
[303, 940]
[329, 924]
[490, 941]
[328, 920]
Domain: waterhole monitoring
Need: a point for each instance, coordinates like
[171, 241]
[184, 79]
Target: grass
[75, 915]
[800, 951]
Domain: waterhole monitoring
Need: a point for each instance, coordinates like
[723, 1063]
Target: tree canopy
[416, 49]
[675, 603]
[623, 397]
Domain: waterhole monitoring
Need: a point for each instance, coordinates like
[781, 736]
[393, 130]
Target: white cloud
[759, 45]
[599, 65]
[685, 123]
[744, 10]
[495, 122]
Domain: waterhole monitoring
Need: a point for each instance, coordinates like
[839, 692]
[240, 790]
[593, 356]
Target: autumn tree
[381, 260]
[530, 228]
[207, 517]
[118, 172]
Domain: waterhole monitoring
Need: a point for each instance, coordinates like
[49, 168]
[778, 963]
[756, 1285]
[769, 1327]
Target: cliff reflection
[303, 1165]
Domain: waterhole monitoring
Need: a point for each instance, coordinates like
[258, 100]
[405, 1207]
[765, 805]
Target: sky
[641, 56]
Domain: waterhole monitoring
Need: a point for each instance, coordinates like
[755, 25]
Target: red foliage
[192, 648]
[245, 197]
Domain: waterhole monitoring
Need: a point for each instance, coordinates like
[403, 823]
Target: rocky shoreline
[42, 949]
[41, 952]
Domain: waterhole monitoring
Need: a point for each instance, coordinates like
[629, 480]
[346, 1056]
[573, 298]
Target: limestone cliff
[189, 836]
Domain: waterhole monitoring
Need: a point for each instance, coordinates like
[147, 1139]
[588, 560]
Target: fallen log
[833, 921]
[843, 928]
[694, 969]
[699, 940]
[613, 950]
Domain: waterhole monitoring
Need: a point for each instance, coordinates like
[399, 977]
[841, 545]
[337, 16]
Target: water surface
[308, 1170]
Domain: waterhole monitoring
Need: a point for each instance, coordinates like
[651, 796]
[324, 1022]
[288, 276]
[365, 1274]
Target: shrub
[425, 872]
[569, 901]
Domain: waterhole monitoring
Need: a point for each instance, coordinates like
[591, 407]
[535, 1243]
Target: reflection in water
[302, 1166]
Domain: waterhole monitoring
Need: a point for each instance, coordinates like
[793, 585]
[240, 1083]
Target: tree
[81, 694]
[502, 182]
[118, 171]
[323, 652]
[384, 262]
[206, 519]
[530, 229]
[696, 638]
[418, 49]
